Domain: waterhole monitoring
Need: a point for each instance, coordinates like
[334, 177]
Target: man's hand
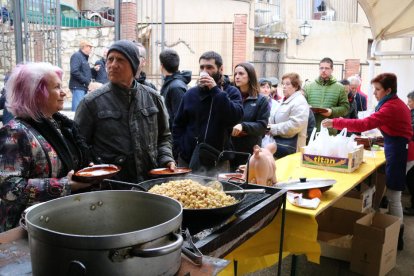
[171, 166]
[237, 129]
[328, 113]
[97, 67]
[206, 80]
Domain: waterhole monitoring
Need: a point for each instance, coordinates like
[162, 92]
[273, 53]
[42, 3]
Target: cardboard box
[349, 164]
[374, 248]
[336, 227]
[359, 201]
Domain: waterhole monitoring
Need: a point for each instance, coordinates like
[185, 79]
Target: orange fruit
[312, 193]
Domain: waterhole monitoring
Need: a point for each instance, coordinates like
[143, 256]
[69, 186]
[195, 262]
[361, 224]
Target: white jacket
[290, 118]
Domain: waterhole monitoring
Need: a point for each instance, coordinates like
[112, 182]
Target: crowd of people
[125, 121]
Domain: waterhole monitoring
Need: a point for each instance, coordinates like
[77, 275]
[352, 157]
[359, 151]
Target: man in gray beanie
[125, 122]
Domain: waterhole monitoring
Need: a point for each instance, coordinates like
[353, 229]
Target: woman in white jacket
[288, 125]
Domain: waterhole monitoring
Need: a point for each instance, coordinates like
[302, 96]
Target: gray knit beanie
[129, 50]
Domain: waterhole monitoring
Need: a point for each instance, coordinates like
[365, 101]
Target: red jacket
[393, 118]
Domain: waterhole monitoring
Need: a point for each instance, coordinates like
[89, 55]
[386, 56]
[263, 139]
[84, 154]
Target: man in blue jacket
[80, 73]
[207, 111]
[175, 82]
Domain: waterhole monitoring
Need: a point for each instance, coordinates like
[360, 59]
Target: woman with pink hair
[40, 148]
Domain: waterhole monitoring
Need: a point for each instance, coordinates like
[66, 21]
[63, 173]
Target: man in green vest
[325, 92]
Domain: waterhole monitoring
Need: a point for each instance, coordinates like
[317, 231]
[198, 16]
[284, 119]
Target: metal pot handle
[158, 251]
[22, 220]
[76, 268]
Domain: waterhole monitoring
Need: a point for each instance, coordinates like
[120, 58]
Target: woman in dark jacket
[397, 133]
[256, 111]
[40, 148]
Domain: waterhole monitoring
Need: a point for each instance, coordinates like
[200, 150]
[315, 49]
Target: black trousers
[410, 185]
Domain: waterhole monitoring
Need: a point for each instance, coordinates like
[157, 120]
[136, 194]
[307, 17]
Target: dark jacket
[190, 123]
[127, 127]
[254, 123]
[361, 102]
[80, 72]
[412, 122]
[143, 80]
[101, 75]
[173, 91]
[353, 112]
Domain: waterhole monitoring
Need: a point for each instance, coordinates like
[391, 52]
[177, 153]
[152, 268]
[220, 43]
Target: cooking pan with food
[199, 219]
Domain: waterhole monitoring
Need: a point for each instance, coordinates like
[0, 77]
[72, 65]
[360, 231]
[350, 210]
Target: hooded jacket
[173, 91]
[143, 80]
[327, 94]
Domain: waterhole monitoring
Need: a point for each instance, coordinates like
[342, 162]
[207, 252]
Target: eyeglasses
[325, 68]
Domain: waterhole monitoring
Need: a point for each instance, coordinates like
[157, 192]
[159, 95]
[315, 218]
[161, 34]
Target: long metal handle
[247, 191]
[132, 185]
[159, 251]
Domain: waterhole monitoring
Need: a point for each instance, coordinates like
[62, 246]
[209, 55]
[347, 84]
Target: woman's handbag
[204, 155]
[285, 146]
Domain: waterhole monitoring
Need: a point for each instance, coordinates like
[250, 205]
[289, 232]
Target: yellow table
[301, 228]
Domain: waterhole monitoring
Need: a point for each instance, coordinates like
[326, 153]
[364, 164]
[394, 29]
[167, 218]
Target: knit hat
[129, 50]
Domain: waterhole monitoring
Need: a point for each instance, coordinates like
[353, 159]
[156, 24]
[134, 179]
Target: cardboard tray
[349, 164]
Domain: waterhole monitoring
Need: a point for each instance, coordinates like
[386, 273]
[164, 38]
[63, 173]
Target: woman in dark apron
[397, 133]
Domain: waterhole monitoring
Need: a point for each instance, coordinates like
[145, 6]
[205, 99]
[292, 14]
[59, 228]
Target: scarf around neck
[384, 100]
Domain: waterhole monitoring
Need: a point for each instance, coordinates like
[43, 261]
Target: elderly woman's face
[288, 88]
[379, 91]
[56, 97]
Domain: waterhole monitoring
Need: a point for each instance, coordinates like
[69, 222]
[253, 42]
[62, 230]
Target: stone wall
[100, 37]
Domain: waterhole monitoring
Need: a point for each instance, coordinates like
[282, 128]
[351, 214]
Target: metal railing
[331, 10]
[266, 15]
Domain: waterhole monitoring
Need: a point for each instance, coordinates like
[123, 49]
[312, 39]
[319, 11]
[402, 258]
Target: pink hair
[27, 89]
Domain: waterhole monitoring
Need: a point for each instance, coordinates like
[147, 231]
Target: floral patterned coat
[31, 170]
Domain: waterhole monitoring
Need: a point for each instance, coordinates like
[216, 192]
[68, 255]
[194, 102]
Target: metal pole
[18, 31]
[117, 19]
[58, 34]
[162, 25]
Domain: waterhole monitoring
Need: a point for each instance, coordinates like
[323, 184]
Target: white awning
[389, 19]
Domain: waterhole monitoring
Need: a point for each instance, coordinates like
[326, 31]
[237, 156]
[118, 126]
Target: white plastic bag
[268, 139]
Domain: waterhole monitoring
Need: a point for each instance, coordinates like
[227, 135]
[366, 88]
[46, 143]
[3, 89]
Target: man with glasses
[326, 92]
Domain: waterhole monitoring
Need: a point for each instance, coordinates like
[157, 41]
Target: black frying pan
[199, 219]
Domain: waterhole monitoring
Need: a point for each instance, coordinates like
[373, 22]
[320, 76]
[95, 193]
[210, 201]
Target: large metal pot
[106, 233]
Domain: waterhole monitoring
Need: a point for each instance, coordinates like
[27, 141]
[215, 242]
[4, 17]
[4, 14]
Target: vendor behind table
[397, 133]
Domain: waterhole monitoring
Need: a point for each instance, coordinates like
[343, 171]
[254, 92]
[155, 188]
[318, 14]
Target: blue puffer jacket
[80, 72]
[192, 116]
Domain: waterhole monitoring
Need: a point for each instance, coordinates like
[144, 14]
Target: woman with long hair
[251, 129]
